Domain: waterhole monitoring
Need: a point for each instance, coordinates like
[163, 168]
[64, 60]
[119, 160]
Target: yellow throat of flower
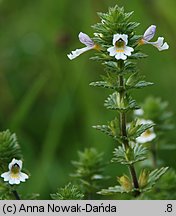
[15, 170]
[147, 133]
[120, 45]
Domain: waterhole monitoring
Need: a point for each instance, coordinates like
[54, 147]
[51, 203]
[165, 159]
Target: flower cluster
[14, 175]
[120, 50]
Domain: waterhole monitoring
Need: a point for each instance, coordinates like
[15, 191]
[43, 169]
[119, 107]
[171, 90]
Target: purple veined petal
[85, 39]
[149, 33]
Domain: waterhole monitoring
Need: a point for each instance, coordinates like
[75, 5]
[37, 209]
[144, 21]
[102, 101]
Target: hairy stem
[124, 132]
[16, 195]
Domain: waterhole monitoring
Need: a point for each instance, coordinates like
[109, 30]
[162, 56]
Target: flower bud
[143, 178]
[125, 182]
[149, 33]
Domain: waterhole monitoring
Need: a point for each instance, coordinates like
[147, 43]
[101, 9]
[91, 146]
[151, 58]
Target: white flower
[148, 135]
[85, 39]
[149, 34]
[14, 175]
[120, 49]
[139, 112]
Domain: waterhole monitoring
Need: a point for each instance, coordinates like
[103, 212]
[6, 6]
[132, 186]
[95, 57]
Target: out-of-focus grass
[45, 98]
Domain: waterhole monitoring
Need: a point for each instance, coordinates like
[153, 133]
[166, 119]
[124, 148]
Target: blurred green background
[45, 98]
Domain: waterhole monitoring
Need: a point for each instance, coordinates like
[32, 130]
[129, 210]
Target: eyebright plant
[88, 171]
[69, 192]
[118, 49]
[10, 166]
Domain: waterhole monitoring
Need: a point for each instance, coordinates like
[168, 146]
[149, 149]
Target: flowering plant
[119, 49]
[136, 130]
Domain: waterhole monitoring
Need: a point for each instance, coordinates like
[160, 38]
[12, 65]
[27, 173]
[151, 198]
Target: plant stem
[154, 155]
[16, 195]
[124, 132]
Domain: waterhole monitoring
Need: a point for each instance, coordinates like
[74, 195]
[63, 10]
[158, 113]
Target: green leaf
[138, 55]
[142, 84]
[69, 192]
[113, 190]
[116, 20]
[130, 156]
[9, 149]
[114, 102]
[102, 84]
[154, 176]
[109, 81]
[134, 81]
[135, 129]
[111, 66]
[164, 189]
[89, 170]
[101, 57]
[142, 128]
[112, 129]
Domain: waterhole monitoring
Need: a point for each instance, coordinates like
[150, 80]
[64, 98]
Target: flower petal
[78, 52]
[143, 121]
[159, 44]
[139, 112]
[164, 47]
[85, 39]
[149, 33]
[116, 37]
[6, 176]
[23, 177]
[128, 50]
[12, 181]
[120, 55]
[144, 139]
[112, 51]
[125, 38]
[15, 161]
